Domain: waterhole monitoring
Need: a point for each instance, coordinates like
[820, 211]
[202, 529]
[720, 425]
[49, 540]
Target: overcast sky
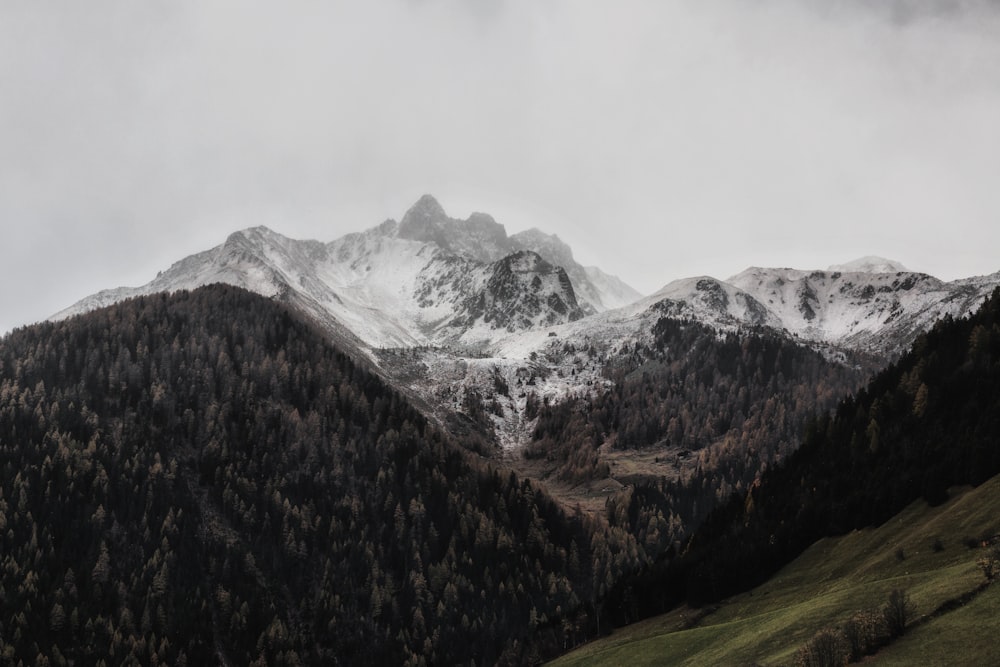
[661, 139]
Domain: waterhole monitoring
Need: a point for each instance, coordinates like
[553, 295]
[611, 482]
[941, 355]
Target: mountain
[921, 429]
[643, 417]
[927, 423]
[482, 238]
[202, 478]
[427, 280]
[871, 309]
[434, 280]
[479, 309]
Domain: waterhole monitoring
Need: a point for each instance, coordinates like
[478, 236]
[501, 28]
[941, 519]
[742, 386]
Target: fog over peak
[658, 139]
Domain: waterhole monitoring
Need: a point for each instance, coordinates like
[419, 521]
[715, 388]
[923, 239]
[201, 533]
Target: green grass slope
[828, 583]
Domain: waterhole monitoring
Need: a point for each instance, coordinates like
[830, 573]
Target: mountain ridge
[473, 324]
[400, 284]
[425, 280]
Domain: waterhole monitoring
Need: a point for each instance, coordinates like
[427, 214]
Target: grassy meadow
[923, 550]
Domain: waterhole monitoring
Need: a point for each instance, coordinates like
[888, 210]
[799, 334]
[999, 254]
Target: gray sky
[661, 139]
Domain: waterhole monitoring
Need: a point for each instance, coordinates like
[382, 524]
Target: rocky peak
[426, 212]
[245, 245]
[479, 237]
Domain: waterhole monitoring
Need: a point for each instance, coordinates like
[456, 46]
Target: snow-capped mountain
[428, 279]
[481, 237]
[479, 309]
[873, 309]
[878, 313]
[879, 309]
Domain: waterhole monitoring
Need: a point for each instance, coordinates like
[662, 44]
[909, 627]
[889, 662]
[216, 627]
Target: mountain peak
[870, 264]
[426, 211]
[248, 234]
[479, 236]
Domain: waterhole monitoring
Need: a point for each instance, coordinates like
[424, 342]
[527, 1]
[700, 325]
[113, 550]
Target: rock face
[479, 237]
[479, 309]
[482, 238]
[523, 291]
[428, 279]
[433, 279]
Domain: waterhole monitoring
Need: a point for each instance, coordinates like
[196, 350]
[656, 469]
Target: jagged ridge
[428, 279]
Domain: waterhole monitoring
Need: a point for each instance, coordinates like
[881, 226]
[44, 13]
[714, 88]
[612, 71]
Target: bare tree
[897, 612]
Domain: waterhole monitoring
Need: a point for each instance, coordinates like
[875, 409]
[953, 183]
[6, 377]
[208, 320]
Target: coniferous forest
[202, 479]
[731, 404]
[693, 387]
[928, 422]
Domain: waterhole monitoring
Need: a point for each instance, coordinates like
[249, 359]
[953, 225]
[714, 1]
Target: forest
[733, 403]
[202, 479]
[927, 423]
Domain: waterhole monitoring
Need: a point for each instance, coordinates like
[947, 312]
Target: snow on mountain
[482, 238]
[523, 291]
[237, 261]
[712, 302]
[476, 309]
[870, 264]
[873, 311]
[597, 291]
[428, 279]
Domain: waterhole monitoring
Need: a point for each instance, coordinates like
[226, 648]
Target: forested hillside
[718, 407]
[927, 423]
[202, 479]
[694, 387]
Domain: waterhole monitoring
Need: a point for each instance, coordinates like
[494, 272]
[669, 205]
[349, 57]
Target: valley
[483, 328]
[536, 433]
[423, 333]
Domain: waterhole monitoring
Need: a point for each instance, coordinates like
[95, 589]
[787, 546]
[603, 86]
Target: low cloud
[661, 139]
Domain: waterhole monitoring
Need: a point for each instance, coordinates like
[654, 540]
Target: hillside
[926, 423]
[202, 479]
[505, 339]
[922, 550]
[923, 425]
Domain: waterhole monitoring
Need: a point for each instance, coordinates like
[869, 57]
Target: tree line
[728, 403]
[202, 478]
[926, 423]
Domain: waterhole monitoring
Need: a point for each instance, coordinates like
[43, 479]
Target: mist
[659, 139]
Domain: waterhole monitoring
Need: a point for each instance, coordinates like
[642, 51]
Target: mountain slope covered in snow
[878, 311]
[428, 279]
[481, 310]
[478, 294]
